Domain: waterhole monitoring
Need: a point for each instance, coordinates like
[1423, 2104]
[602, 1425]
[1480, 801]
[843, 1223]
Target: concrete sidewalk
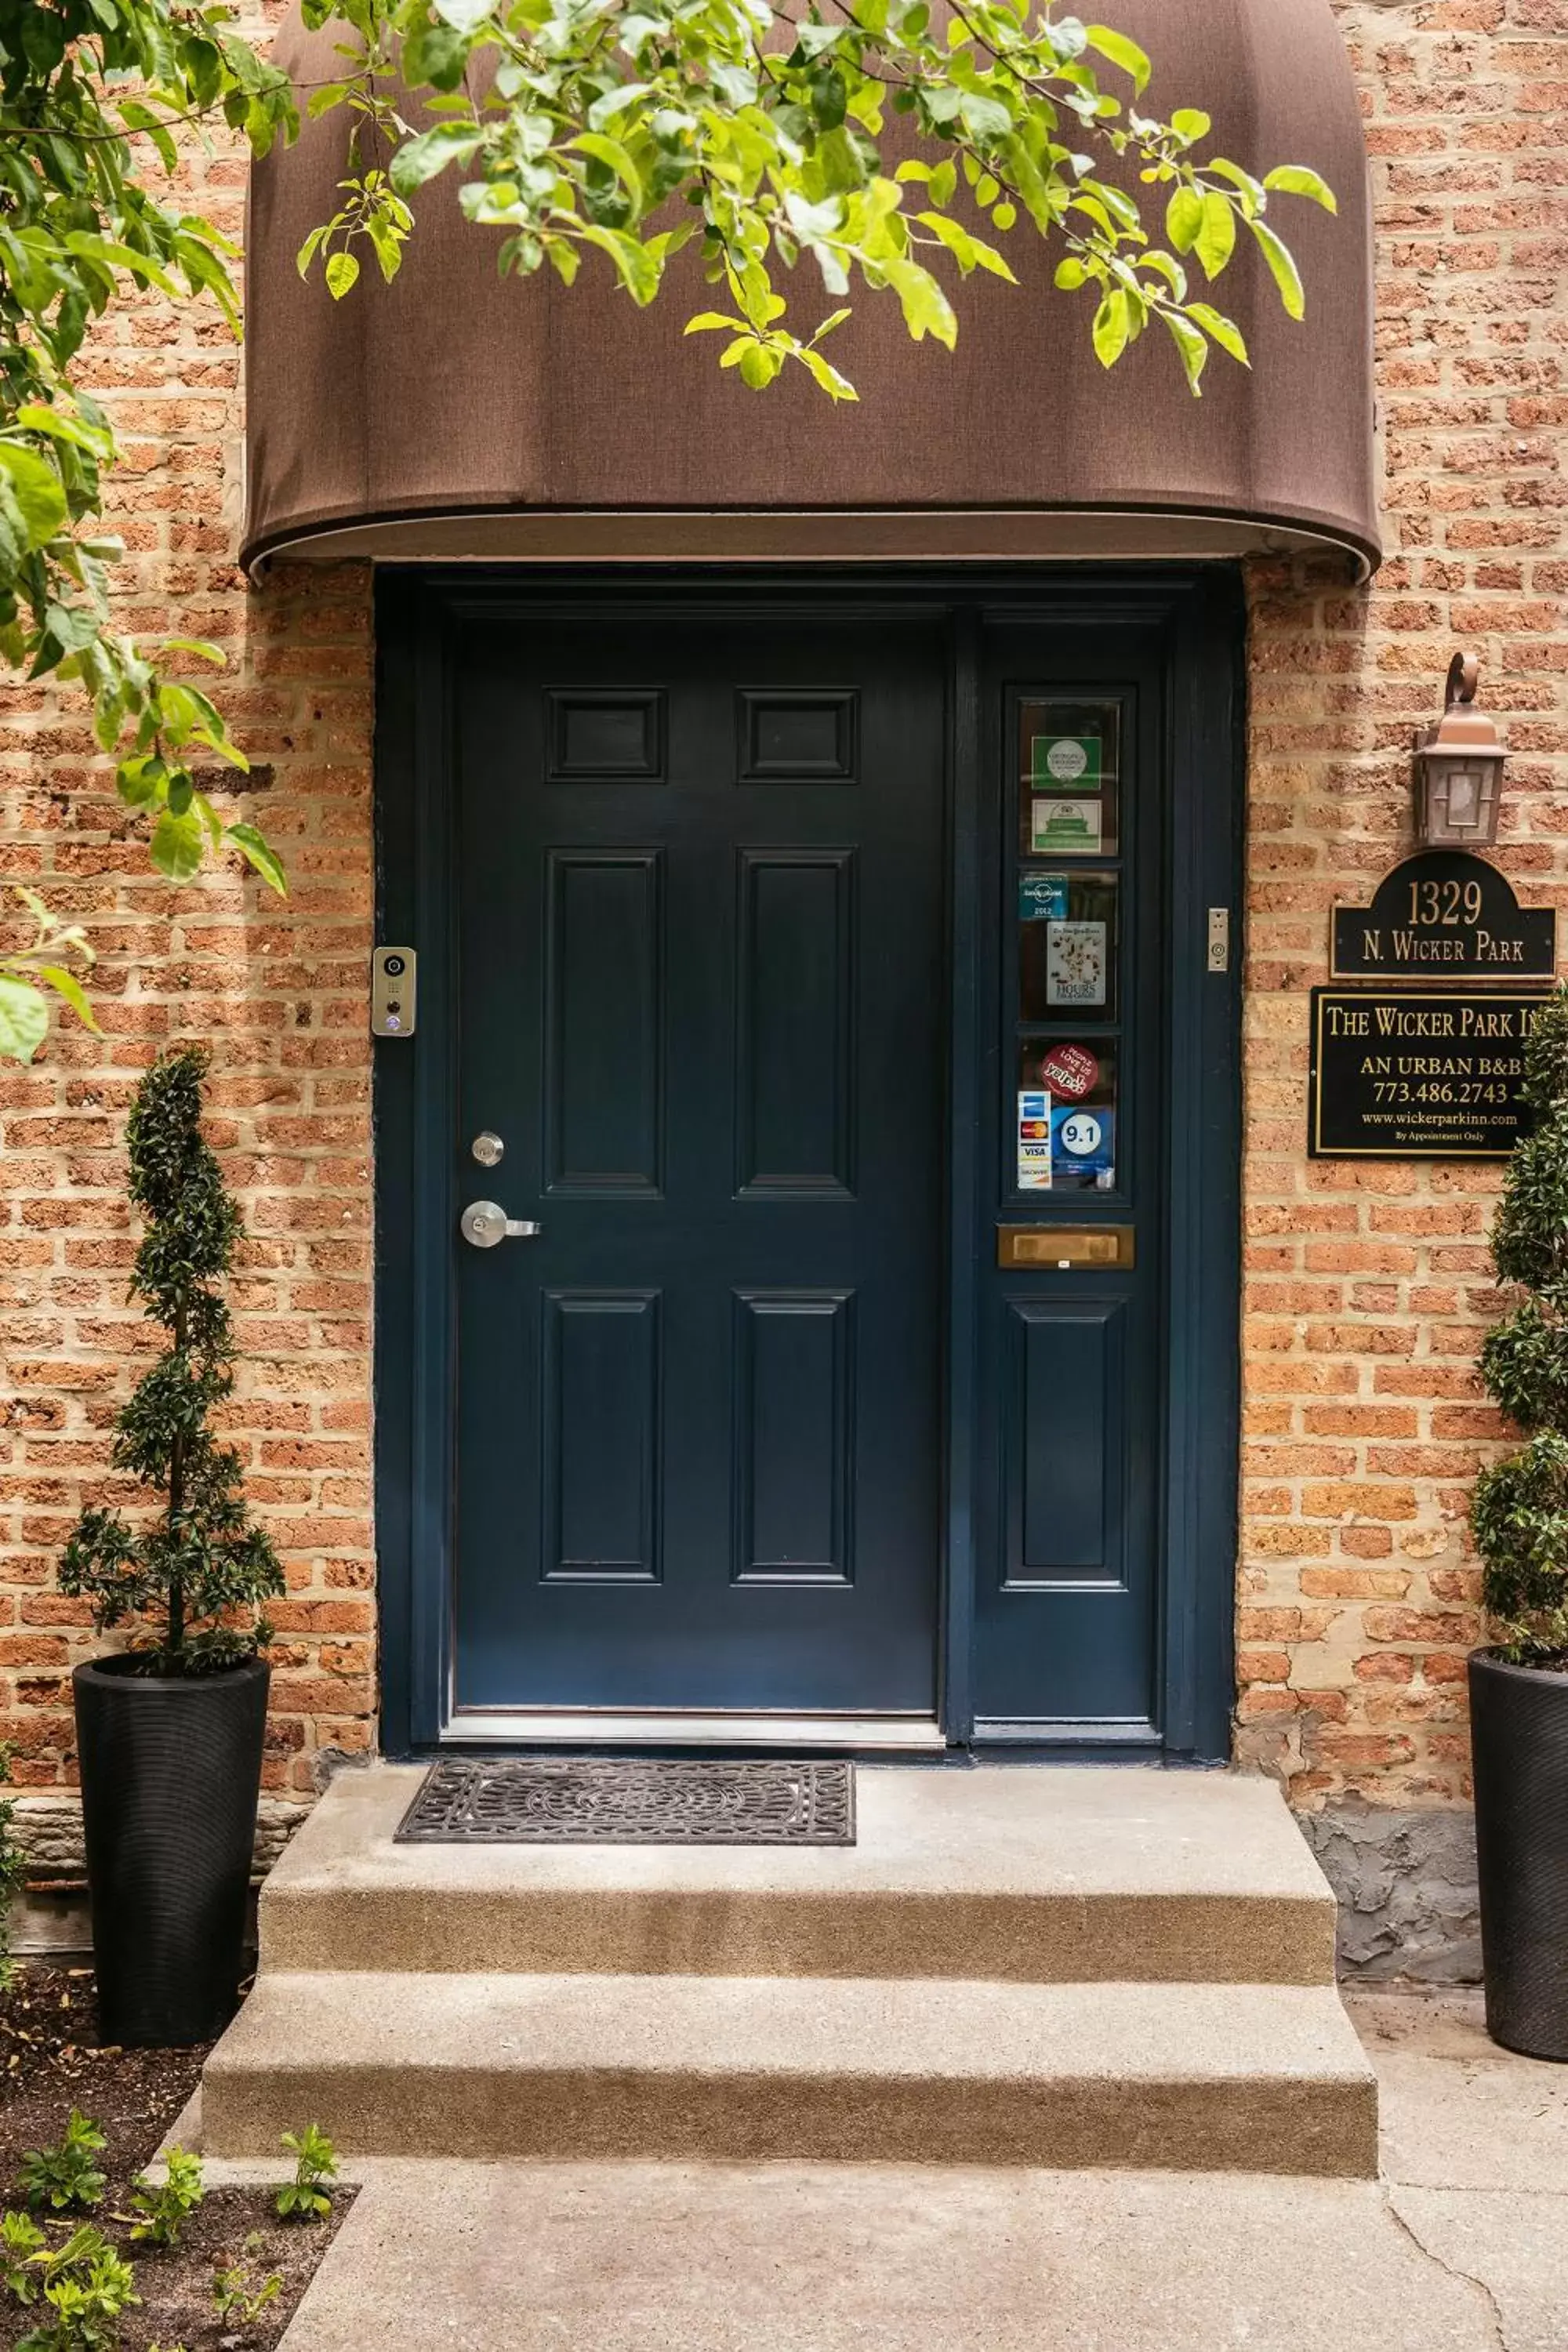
[1462, 2247]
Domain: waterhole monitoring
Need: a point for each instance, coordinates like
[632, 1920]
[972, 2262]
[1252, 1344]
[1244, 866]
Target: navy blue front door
[702, 991]
[834, 959]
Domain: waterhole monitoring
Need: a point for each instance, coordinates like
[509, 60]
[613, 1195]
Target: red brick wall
[279, 991]
[1367, 1287]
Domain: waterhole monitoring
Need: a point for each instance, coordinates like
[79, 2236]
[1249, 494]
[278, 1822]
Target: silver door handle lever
[485, 1223]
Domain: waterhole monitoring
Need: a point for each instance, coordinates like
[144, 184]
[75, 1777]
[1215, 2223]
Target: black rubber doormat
[600, 1800]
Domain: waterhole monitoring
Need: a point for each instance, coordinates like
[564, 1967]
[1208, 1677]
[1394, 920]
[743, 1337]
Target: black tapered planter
[1519, 1737]
[170, 1771]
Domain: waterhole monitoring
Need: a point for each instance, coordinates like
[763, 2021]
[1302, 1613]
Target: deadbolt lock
[487, 1149]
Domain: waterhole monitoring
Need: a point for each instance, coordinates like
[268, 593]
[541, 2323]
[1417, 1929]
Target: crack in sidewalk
[1450, 2269]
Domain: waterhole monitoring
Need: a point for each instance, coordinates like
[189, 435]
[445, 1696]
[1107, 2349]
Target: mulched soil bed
[49, 2063]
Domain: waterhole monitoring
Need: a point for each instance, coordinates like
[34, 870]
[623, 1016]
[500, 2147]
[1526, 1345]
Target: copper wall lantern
[1458, 768]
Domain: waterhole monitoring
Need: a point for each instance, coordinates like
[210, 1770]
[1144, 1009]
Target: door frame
[1197, 614]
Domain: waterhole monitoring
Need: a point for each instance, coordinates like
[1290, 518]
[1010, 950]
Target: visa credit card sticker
[1083, 1147]
[1035, 1142]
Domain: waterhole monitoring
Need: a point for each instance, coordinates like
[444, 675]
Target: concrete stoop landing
[1012, 1966]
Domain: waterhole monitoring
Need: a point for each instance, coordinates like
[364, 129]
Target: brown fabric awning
[457, 414]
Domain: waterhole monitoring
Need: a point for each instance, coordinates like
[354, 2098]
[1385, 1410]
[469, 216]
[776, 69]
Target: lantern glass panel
[1459, 800]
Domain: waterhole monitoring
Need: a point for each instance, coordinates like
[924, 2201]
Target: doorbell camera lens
[393, 966]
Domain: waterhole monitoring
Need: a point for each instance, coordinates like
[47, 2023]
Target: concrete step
[1262, 2078]
[1004, 1872]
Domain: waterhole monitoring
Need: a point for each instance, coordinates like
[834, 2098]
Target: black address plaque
[1443, 916]
[1408, 1074]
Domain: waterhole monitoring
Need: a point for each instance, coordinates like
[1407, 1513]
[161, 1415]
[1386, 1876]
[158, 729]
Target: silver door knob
[485, 1223]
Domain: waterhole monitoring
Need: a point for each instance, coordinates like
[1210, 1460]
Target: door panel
[1065, 1456]
[794, 1434]
[603, 1021]
[794, 1030]
[1072, 1401]
[601, 1405]
[702, 1000]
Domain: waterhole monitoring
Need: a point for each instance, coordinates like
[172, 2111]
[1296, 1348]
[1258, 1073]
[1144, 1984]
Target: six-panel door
[700, 885]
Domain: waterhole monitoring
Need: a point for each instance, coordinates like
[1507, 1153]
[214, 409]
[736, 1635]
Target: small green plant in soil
[1519, 1514]
[239, 2298]
[56, 2179]
[307, 2197]
[21, 2241]
[13, 1868]
[163, 2206]
[191, 1580]
[88, 2288]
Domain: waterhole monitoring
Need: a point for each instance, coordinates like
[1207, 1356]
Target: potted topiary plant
[170, 1729]
[1518, 1686]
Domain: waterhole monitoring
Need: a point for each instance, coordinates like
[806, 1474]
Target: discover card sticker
[1034, 1143]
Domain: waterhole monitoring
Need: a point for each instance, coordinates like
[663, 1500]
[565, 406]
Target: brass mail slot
[1065, 1245]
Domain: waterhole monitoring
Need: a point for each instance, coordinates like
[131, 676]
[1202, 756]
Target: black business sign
[1441, 917]
[1418, 1074]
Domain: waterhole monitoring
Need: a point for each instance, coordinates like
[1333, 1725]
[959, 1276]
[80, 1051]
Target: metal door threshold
[602, 1727]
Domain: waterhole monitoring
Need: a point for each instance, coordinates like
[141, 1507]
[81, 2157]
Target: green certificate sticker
[1055, 825]
[1065, 763]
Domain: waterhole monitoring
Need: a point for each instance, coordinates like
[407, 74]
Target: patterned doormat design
[600, 1800]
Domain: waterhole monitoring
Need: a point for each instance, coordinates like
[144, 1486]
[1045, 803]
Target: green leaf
[927, 310]
[1112, 325]
[420, 159]
[758, 365]
[637, 269]
[137, 117]
[177, 845]
[1184, 219]
[34, 417]
[616, 158]
[465, 16]
[24, 1019]
[66, 983]
[36, 489]
[837, 386]
[1225, 331]
[1301, 180]
[141, 780]
[1287, 277]
[1252, 196]
[1215, 239]
[437, 54]
[1122, 52]
[1193, 350]
[115, 254]
[706, 320]
[343, 273]
[262, 855]
[1190, 125]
